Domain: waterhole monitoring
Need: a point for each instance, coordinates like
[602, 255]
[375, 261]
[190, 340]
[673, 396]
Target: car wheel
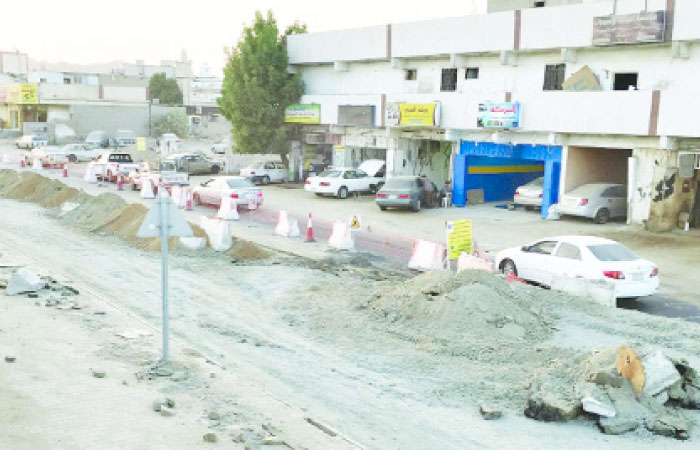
[383, 208]
[134, 187]
[416, 206]
[602, 216]
[529, 207]
[508, 267]
[265, 180]
[343, 192]
[318, 195]
[197, 200]
[215, 169]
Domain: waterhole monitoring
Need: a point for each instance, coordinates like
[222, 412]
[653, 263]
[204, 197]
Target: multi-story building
[590, 91]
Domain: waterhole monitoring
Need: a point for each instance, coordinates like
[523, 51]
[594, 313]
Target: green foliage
[257, 87]
[166, 90]
[172, 122]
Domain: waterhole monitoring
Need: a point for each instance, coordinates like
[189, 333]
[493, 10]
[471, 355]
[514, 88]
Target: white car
[342, 181]
[530, 194]
[81, 152]
[265, 172]
[30, 142]
[238, 188]
[49, 156]
[587, 257]
[598, 201]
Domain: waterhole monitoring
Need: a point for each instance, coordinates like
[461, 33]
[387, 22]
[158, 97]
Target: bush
[172, 122]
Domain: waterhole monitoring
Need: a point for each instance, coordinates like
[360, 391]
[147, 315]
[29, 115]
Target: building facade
[588, 92]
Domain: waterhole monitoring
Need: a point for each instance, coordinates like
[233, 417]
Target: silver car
[530, 194]
[598, 201]
[195, 164]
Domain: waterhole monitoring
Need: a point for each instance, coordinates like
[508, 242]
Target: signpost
[459, 238]
[163, 220]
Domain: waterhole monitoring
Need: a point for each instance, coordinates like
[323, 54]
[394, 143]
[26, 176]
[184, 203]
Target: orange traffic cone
[21, 162]
[188, 202]
[65, 171]
[309, 231]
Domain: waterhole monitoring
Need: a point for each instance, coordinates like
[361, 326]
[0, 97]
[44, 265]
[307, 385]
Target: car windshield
[400, 183]
[330, 173]
[537, 182]
[235, 183]
[612, 252]
[587, 189]
[168, 166]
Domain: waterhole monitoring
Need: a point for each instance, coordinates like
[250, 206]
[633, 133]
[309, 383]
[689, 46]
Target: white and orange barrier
[218, 231]
[188, 199]
[176, 193]
[471, 262]
[147, 188]
[228, 210]
[428, 255]
[6, 158]
[36, 164]
[90, 176]
[283, 226]
[341, 237]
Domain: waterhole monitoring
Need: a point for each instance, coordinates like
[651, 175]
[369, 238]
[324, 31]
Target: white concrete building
[588, 91]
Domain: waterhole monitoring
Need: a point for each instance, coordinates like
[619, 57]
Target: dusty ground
[386, 359]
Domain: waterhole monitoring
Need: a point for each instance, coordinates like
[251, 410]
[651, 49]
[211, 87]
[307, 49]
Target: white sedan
[342, 181]
[586, 257]
[241, 190]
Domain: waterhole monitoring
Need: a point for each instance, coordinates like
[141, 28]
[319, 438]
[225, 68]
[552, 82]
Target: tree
[172, 122]
[257, 87]
[165, 90]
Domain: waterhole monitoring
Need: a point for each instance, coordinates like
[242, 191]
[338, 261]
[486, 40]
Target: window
[349, 174]
[612, 252]
[66, 81]
[543, 248]
[554, 76]
[539, 4]
[42, 80]
[568, 251]
[449, 80]
[472, 73]
[625, 81]
[411, 74]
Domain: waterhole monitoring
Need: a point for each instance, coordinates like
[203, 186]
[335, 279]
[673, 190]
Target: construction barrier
[283, 226]
[228, 210]
[176, 194]
[428, 255]
[36, 164]
[218, 231]
[600, 291]
[309, 231]
[188, 199]
[341, 237]
[193, 243]
[147, 189]
[6, 158]
[65, 171]
[90, 174]
[471, 262]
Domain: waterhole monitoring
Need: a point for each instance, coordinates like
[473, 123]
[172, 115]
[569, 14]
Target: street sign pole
[164, 213]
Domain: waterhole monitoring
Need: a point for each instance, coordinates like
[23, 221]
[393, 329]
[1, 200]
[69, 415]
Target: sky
[98, 31]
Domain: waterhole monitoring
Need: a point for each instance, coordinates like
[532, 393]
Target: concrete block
[660, 373]
[24, 280]
[490, 412]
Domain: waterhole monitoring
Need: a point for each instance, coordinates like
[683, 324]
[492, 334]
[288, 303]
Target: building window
[66, 81]
[554, 76]
[411, 74]
[625, 81]
[472, 73]
[449, 80]
[42, 80]
[539, 4]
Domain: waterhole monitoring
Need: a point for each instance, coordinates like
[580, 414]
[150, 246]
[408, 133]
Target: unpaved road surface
[292, 334]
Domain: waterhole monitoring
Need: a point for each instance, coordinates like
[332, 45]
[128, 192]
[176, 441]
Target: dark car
[410, 192]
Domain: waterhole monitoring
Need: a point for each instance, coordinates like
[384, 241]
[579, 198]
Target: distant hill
[62, 66]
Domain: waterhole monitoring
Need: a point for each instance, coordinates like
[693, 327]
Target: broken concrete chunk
[166, 412]
[10, 359]
[550, 408]
[660, 372]
[98, 373]
[213, 415]
[170, 403]
[661, 398]
[490, 412]
[617, 425]
[668, 424]
[677, 394]
[157, 404]
[24, 280]
[272, 440]
[693, 396]
[606, 379]
[599, 407]
[209, 437]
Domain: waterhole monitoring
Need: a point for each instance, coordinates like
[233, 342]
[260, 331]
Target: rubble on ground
[22, 281]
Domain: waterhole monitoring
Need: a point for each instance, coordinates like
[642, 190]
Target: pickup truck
[167, 173]
[109, 164]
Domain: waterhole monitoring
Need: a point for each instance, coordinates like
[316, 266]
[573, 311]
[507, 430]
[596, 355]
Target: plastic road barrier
[228, 210]
[427, 255]
[341, 237]
[283, 227]
[147, 189]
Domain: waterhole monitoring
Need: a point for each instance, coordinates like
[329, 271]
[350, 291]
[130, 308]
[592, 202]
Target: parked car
[165, 173]
[110, 164]
[598, 201]
[530, 194]
[238, 188]
[265, 172]
[124, 138]
[220, 148]
[587, 257]
[48, 156]
[412, 192]
[168, 138]
[195, 164]
[81, 152]
[342, 181]
[97, 139]
[30, 141]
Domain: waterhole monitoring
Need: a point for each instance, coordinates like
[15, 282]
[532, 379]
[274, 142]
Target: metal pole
[164, 212]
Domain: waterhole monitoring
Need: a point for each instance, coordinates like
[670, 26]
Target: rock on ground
[24, 280]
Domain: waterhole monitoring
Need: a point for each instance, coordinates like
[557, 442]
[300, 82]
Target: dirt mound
[472, 307]
[246, 250]
[30, 187]
[95, 212]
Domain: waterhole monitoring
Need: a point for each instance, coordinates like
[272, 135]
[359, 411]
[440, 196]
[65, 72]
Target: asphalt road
[659, 305]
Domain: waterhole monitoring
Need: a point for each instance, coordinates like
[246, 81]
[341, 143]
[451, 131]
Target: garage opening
[595, 165]
[488, 172]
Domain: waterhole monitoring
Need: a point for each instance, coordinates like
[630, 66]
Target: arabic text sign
[459, 238]
[413, 114]
[498, 115]
[646, 26]
[303, 113]
[22, 94]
